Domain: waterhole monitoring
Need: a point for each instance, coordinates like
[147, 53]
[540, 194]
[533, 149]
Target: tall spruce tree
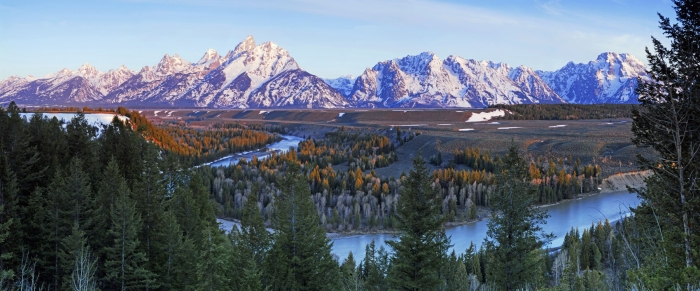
[669, 122]
[9, 213]
[214, 262]
[252, 242]
[515, 235]
[125, 262]
[421, 245]
[300, 256]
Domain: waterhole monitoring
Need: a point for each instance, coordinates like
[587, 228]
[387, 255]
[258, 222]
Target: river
[579, 213]
[279, 147]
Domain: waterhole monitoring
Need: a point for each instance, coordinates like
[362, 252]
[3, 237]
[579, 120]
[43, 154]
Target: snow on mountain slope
[610, 78]
[243, 70]
[266, 75]
[343, 84]
[426, 81]
[296, 89]
[86, 84]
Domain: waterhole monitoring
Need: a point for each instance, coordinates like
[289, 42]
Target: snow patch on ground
[341, 114]
[263, 112]
[485, 116]
[512, 127]
[466, 129]
[408, 125]
[94, 119]
[559, 125]
[155, 113]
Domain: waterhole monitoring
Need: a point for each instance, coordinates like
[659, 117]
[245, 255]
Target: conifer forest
[133, 205]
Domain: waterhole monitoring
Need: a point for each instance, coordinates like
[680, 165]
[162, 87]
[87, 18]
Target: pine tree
[9, 213]
[49, 220]
[80, 204]
[373, 268]
[77, 262]
[300, 256]
[668, 122]
[214, 262]
[514, 234]
[149, 193]
[251, 243]
[125, 263]
[6, 273]
[350, 275]
[421, 244]
[104, 202]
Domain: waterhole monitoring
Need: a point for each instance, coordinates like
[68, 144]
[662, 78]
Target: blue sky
[328, 38]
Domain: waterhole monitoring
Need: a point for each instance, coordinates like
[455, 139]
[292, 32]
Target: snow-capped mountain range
[266, 76]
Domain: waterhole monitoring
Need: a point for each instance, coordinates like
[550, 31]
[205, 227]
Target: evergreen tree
[9, 213]
[251, 243]
[350, 276]
[78, 265]
[300, 256]
[125, 263]
[104, 202]
[514, 234]
[149, 193]
[421, 245]
[172, 253]
[80, 204]
[214, 262]
[374, 267]
[668, 122]
[6, 273]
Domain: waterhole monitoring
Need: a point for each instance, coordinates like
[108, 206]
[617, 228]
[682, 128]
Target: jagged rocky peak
[64, 73]
[246, 45]
[419, 63]
[123, 68]
[209, 57]
[87, 70]
[169, 65]
[622, 65]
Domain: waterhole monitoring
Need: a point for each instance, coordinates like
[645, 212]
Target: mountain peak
[209, 57]
[169, 64]
[87, 70]
[246, 45]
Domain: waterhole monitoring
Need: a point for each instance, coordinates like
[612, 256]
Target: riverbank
[614, 183]
[620, 181]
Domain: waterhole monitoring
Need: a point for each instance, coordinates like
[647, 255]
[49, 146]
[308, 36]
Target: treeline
[357, 199]
[362, 150]
[557, 179]
[564, 111]
[197, 146]
[71, 109]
